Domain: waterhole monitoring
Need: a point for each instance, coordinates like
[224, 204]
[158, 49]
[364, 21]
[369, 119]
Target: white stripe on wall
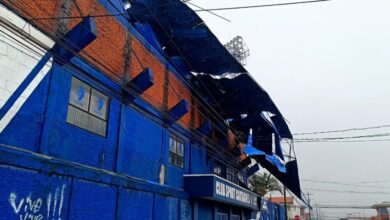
[18, 56]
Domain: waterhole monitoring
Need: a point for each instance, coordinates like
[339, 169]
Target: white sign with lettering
[234, 193]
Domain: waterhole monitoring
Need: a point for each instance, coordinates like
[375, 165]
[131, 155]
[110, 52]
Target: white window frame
[77, 105]
[175, 153]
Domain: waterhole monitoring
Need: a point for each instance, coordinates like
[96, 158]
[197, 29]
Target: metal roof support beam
[76, 39]
[142, 81]
[205, 128]
[178, 111]
[252, 170]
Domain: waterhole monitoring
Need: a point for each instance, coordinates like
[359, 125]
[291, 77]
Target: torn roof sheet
[182, 33]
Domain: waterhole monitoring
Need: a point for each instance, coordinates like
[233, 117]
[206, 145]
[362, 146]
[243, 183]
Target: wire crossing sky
[326, 67]
[345, 130]
[259, 6]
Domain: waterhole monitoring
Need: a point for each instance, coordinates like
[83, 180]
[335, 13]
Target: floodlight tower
[238, 49]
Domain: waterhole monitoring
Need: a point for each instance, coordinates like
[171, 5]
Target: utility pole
[285, 203]
[308, 201]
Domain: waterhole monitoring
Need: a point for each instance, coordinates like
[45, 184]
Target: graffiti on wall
[38, 208]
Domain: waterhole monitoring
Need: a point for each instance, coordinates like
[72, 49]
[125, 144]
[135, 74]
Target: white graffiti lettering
[12, 202]
[29, 208]
[230, 192]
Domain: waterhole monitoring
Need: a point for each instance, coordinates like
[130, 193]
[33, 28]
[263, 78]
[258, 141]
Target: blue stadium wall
[51, 169]
[74, 180]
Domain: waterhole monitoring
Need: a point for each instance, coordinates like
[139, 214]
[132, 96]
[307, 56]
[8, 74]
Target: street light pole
[285, 203]
[308, 201]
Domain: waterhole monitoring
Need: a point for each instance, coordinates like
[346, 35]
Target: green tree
[262, 184]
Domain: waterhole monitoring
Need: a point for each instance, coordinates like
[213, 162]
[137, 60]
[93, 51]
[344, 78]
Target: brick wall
[16, 62]
[108, 52]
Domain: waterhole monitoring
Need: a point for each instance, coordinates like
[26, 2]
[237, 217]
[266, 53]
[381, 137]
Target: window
[231, 175]
[222, 216]
[241, 177]
[218, 168]
[236, 214]
[176, 151]
[222, 212]
[87, 108]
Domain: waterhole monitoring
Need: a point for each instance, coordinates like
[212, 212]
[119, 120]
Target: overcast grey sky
[326, 65]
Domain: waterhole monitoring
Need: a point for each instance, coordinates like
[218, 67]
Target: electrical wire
[214, 112]
[348, 191]
[217, 151]
[109, 68]
[217, 15]
[342, 183]
[189, 64]
[335, 141]
[342, 138]
[345, 130]
[99, 85]
[260, 6]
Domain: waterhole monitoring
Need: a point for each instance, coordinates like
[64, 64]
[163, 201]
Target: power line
[332, 141]
[217, 151]
[260, 6]
[213, 110]
[344, 206]
[342, 183]
[201, 8]
[348, 191]
[365, 182]
[344, 130]
[342, 138]
[211, 146]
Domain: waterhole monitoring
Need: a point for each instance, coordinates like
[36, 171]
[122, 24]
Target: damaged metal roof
[180, 34]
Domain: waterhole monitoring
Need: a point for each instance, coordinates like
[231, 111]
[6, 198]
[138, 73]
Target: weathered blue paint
[16, 157]
[271, 210]
[185, 210]
[205, 210]
[264, 209]
[178, 111]
[76, 40]
[90, 200]
[135, 205]
[137, 151]
[282, 212]
[166, 208]
[205, 128]
[30, 77]
[142, 81]
[30, 193]
[198, 159]
[63, 140]
[48, 156]
[25, 128]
